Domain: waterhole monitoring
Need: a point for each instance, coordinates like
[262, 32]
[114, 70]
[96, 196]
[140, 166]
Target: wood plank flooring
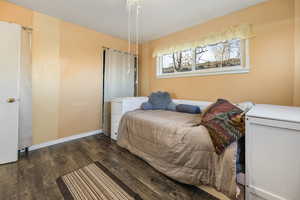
[34, 176]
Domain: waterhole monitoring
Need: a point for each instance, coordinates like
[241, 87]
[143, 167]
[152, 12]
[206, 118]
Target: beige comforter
[173, 144]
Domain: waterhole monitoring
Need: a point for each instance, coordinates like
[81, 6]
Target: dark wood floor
[34, 177]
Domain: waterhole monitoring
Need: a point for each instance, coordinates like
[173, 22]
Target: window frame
[243, 68]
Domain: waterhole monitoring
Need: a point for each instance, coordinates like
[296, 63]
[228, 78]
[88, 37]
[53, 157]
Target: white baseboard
[65, 139]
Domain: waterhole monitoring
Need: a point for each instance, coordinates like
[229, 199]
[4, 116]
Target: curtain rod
[27, 28]
[107, 48]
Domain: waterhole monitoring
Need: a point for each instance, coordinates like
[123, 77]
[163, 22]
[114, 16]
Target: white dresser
[273, 153]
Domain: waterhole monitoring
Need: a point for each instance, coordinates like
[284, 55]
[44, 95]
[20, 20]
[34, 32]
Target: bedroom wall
[15, 14]
[67, 66]
[45, 77]
[81, 81]
[297, 54]
[271, 53]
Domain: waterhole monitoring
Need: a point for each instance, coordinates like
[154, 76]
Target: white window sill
[205, 73]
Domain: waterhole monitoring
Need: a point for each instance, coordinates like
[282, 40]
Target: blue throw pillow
[146, 106]
[159, 101]
[185, 108]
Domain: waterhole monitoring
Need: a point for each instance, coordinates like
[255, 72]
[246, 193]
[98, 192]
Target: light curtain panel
[118, 80]
[25, 112]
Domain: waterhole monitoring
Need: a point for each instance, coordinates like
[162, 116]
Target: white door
[10, 40]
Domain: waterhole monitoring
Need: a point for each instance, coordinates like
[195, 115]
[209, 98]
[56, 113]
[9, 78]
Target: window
[222, 58]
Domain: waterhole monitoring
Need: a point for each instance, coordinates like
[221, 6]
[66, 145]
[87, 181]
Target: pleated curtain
[119, 77]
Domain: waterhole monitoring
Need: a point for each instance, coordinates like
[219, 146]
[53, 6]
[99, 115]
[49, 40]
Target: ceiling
[159, 17]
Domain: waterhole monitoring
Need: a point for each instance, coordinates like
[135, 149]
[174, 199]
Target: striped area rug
[94, 182]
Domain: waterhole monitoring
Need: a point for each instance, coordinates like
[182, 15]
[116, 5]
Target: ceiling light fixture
[134, 33]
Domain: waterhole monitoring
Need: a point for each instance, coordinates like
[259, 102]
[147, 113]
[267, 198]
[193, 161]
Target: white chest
[272, 153]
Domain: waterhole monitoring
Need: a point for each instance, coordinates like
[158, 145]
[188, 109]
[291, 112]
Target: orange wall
[81, 86]
[271, 55]
[45, 77]
[15, 14]
[67, 67]
[297, 54]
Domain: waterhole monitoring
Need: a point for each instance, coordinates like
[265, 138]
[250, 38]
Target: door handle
[11, 100]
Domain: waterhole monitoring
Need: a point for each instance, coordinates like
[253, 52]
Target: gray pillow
[146, 106]
[159, 101]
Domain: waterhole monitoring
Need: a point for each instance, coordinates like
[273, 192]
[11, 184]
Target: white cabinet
[272, 153]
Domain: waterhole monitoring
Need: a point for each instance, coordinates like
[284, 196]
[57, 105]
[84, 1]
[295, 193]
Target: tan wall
[15, 14]
[81, 86]
[45, 77]
[271, 55]
[297, 54]
[67, 66]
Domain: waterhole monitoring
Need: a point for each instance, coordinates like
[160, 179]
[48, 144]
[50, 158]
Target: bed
[175, 145]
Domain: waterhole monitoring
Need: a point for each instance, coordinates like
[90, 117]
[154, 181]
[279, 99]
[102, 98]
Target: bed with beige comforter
[174, 144]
